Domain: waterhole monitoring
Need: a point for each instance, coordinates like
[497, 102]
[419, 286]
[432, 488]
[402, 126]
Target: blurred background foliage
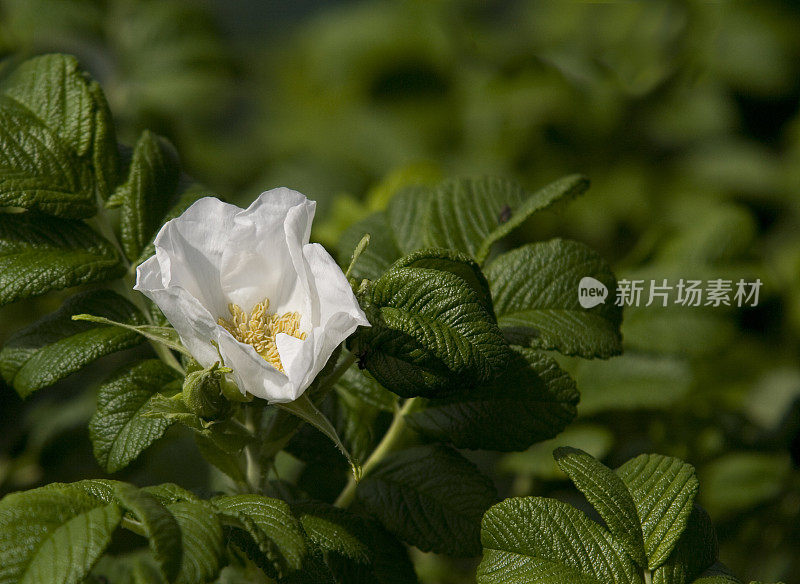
[685, 115]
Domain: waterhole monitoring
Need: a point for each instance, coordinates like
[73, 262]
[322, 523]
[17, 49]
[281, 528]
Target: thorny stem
[394, 435]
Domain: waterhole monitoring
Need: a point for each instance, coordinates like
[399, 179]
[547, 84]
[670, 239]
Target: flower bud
[203, 395]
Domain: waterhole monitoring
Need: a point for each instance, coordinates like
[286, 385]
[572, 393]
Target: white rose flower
[248, 279]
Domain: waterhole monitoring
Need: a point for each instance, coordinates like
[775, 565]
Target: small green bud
[203, 393]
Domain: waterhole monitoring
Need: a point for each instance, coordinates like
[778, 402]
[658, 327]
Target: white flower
[249, 280]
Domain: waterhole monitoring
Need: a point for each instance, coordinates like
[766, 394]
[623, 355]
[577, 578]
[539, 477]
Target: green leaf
[470, 215]
[160, 526]
[608, 495]
[430, 333]
[348, 548]
[305, 409]
[57, 139]
[359, 385]
[454, 262]
[137, 567]
[407, 214]
[717, 574]
[532, 400]
[145, 196]
[56, 346]
[202, 540]
[118, 430]
[533, 540]
[359, 249]
[170, 493]
[663, 489]
[38, 255]
[57, 92]
[229, 463]
[465, 215]
[430, 497]
[53, 535]
[535, 292]
[105, 156]
[631, 381]
[381, 252]
[165, 335]
[696, 550]
[356, 422]
[38, 171]
[270, 526]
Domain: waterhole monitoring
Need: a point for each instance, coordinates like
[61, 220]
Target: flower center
[258, 329]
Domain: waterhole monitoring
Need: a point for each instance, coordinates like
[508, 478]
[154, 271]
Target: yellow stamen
[258, 329]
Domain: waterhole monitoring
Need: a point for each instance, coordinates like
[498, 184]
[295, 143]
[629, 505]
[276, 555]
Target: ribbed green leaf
[346, 548]
[56, 346]
[466, 215]
[38, 254]
[430, 497]
[161, 527]
[430, 333]
[535, 292]
[119, 431]
[104, 490]
[663, 489]
[608, 495]
[202, 540]
[57, 138]
[533, 540]
[695, 551]
[470, 215]
[170, 493]
[55, 90]
[53, 535]
[271, 535]
[454, 262]
[105, 157]
[381, 252]
[533, 399]
[38, 170]
[145, 197]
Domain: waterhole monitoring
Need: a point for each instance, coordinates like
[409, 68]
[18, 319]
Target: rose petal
[190, 251]
[191, 320]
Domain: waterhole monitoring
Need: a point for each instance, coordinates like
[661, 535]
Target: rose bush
[250, 281]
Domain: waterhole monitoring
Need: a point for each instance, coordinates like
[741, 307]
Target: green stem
[253, 471]
[648, 576]
[393, 437]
